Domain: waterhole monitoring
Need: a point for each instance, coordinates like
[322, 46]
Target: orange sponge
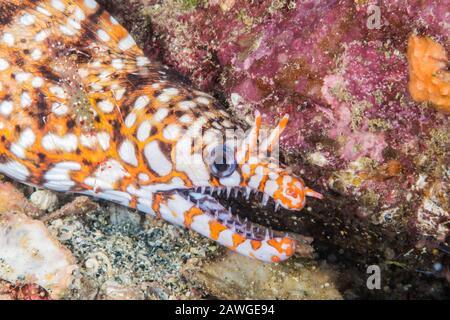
[428, 71]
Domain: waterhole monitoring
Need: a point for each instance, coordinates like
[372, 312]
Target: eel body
[82, 110]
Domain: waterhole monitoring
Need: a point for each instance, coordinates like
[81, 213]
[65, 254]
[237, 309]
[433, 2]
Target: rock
[30, 254]
[112, 290]
[44, 200]
[12, 200]
[238, 277]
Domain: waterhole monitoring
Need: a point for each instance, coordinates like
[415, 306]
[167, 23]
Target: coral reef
[342, 73]
[362, 128]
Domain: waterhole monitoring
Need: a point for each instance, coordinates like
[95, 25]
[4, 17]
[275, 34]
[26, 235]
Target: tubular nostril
[314, 194]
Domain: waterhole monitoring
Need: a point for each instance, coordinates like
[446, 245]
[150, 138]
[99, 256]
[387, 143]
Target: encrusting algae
[429, 75]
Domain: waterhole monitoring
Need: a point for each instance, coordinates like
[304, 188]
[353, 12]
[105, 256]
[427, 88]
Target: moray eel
[82, 110]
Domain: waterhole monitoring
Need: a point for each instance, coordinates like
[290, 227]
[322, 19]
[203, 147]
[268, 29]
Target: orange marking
[216, 228]
[276, 259]
[157, 204]
[189, 216]
[256, 244]
[237, 240]
[278, 245]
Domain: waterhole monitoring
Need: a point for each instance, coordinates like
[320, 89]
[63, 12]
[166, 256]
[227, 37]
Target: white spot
[186, 105]
[25, 100]
[41, 35]
[127, 152]
[44, 11]
[88, 141]
[3, 64]
[27, 19]
[141, 102]
[126, 43]
[171, 91]
[117, 64]
[79, 14]
[71, 166]
[191, 164]
[36, 54]
[67, 30]
[58, 5]
[26, 140]
[107, 175]
[255, 181]
[171, 132]
[246, 169]
[104, 140]
[83, 73]
[186, 119]
[160, 115]
[22, 76]
[37, 82]
[203, 100]
[142, 61]
[106, 106]
[273, 175]
[6, 107]
[200, 224]
[157, 160]
[143, 132]
[58, 178]
[58, 92]
[91, 4]
[196, 128]
[143, 177]
[67, 143]
[15, 170]
[130, 120]
[74, 24]
[164, 98]
[8, 38]
[271, 187]
[113, 20]
[103, 35]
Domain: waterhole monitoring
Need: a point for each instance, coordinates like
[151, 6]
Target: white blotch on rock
[30, 254]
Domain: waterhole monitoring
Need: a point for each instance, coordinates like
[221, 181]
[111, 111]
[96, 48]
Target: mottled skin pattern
[83, 110]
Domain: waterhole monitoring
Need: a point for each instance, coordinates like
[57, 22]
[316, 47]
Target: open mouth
[215, 202]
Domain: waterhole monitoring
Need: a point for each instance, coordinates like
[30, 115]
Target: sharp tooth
[248, 192]
[236, 192]
[202, 189]
[277, 206]
[211, 190]
[228, 192]
[267, 234]
[219, 191]
[265, 199]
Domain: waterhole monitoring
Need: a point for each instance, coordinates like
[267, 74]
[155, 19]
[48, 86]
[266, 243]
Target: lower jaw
[257, 244]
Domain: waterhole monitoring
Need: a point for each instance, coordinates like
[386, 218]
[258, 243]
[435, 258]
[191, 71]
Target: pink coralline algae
[340, 70]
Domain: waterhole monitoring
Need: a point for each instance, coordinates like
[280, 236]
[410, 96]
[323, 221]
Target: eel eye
[223, 163]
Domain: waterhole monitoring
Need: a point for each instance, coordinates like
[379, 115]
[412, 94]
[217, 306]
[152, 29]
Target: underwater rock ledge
[380, 157]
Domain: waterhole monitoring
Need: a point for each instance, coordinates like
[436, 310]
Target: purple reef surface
[340, 70]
